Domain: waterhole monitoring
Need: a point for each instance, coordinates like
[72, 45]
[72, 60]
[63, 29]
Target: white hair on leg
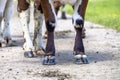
[76, 14]
[2, 8]
[53, 10]
[38, 42]
[24, 18]
[7, 17]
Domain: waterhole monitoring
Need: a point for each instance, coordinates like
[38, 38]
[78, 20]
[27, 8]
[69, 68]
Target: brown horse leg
[50, 20]
[57, 5]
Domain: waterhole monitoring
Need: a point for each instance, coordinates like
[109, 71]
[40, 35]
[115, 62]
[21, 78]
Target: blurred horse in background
[5, 15]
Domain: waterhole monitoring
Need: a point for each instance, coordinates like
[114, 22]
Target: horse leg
[38, 20]
[7, 17]
[2, 8]
[78, 22]
[57, 5]
[28, 45]
[63, 14]
[50, 20]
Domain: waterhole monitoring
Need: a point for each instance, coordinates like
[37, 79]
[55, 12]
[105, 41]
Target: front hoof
[81, 59]
[28, 54]
[49, 60]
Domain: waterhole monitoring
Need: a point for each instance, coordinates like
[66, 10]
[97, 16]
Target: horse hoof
[40, 52]
[3, 44]
[49, 60]
[45, 36]
[28, 54]
[81, 59]
[63, 16]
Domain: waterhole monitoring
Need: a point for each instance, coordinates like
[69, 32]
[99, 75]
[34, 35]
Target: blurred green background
[104, 12]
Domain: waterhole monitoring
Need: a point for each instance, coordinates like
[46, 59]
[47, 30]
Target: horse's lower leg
[50, 19]
[79, 53]
[7, 17]
[78, 22]
[28, 45]
[2, 41]
[78, 41]
[2, 8]
[50, 46]
[37, 41]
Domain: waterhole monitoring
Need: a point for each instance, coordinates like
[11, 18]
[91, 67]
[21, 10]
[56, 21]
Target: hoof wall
[28, 54]
[81, 59]
[49, 60]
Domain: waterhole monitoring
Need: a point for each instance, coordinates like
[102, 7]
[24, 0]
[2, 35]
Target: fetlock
[29, 51]
[39, 49]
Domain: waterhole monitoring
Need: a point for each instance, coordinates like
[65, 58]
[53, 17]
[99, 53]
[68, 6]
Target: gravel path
[102, 46]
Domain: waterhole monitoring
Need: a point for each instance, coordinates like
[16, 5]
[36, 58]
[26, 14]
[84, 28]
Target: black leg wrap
[50, 25]
[79, 24]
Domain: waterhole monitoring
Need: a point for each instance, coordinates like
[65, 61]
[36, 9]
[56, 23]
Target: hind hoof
[3, 44]
[28, 54]
[49, 60]
[81, 59]
[40, 52]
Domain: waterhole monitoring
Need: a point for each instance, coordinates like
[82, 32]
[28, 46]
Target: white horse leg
[76, 15]
[2, 7]
[37, 41]
[7, 17]
[28, 45]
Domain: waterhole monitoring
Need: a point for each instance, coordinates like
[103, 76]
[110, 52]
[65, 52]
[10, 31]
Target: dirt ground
[102, 45]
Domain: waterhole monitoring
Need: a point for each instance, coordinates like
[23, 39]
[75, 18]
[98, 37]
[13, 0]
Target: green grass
[69, 9]
[104, 12]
